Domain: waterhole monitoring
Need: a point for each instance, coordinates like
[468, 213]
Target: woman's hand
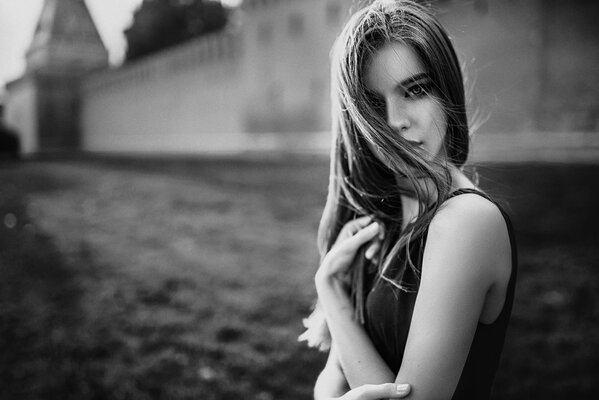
[375, 392]
[333, 273]
[352, 236]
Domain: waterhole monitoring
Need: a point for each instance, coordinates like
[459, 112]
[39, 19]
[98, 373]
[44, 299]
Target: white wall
[216, 93]
[209, 95]
[186, 99]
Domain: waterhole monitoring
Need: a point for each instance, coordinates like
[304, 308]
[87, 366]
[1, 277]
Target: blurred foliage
[158, 24]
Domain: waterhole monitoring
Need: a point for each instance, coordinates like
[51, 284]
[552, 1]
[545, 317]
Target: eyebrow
[412, 79]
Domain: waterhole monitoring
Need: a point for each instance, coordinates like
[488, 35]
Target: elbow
[329, 384]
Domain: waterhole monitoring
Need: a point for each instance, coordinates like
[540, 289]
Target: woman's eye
[416, 91]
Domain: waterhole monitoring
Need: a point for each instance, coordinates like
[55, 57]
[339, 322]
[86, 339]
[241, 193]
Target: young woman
[418, 265]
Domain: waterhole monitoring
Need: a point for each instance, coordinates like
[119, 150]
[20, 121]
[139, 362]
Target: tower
[66, 40]
[44, 104]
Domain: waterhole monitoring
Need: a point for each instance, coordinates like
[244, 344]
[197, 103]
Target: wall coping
[208, 49]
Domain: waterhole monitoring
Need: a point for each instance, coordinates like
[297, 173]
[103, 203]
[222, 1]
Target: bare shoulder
[468, 215]
[472, 231]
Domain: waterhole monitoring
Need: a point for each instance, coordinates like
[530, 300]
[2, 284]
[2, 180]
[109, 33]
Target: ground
[186, 279]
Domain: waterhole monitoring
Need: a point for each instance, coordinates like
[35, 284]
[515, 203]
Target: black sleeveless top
[388, 313]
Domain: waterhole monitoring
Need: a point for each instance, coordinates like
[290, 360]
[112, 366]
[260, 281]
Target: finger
[392, 390]
[382, 232]
[353, 226]
[363, 235]
[375, 392]
[359, 223]
[372, 250]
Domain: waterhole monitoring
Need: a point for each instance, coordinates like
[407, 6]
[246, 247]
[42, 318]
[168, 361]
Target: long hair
[362, 183]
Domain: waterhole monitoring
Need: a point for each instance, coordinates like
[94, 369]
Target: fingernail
[368, 253]
[404, 387]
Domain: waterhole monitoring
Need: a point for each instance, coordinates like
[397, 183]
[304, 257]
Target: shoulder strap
[472, 191]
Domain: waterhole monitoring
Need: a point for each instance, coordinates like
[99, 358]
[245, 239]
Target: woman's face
[404, 91]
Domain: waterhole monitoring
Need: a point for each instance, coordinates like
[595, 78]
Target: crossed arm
[331, 383]
[459, 269]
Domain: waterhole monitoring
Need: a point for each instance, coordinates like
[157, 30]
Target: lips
[414, 143]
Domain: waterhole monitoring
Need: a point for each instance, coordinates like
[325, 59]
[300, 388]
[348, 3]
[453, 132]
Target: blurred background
[163, 167]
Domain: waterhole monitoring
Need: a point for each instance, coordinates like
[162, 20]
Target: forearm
[330, 384]
[357, 355]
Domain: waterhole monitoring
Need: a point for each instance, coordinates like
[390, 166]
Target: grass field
[188, 279]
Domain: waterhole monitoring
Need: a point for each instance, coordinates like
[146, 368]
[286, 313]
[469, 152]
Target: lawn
[188, 279]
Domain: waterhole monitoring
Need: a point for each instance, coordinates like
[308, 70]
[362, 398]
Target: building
[263, 84]
[44, 105]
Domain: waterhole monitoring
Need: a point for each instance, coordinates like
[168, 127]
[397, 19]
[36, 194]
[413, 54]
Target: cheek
[437, 119]
[432, 118]
[437, 127]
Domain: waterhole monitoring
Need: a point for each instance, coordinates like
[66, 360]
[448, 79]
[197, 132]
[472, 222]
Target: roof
[64, 19]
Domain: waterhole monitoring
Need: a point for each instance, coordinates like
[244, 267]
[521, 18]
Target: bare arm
[359, 359]
[332, 385]
[458, 270]
[460, 266]
[331, 381]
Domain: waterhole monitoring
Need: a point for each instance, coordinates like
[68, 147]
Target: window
[296, 24]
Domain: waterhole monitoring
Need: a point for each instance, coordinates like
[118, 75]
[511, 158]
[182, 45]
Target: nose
[397, 115]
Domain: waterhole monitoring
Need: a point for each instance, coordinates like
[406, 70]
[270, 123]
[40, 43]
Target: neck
[409, 210]
[410, 202]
